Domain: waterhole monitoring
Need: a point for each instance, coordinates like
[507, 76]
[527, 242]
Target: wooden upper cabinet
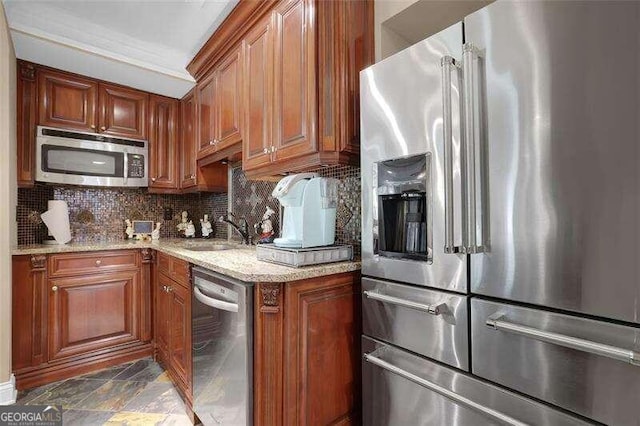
[258, 93]
[27, 111]
[67, 100]
[163, 144]
[229, 87]
[219, 99]
[294, 127]
[207, 116]
[189, 135]
[73, 102]
[123, 112]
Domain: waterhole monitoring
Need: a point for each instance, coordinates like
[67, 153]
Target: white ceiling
[145, 44]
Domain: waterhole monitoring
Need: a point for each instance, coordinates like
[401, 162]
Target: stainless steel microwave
[79, 158]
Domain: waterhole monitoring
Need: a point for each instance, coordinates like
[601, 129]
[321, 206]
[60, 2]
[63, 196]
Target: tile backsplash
[249, 199]
[97, 214]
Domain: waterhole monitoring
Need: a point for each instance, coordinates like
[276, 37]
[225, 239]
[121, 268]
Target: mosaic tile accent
[249, 199]
[97, 214]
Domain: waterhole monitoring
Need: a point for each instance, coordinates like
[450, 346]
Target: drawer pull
[435, 309]
[447, 393]
[498, 322]
[54, 288]
[98, 262]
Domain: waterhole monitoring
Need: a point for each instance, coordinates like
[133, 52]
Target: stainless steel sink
[210, 247]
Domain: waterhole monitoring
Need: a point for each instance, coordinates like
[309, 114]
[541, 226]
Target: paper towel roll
[57, 220]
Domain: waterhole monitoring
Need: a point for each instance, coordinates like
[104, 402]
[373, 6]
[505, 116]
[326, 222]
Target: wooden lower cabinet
[70, 321]
[306, 351]
[173, 323]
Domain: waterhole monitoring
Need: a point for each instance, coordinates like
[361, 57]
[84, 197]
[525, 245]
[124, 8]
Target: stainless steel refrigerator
[501, 220]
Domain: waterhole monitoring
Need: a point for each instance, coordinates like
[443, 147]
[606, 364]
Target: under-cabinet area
[78, 312]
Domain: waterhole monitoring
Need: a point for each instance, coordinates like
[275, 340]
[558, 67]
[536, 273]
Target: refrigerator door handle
[447, 64]
[498, 322]
[471, 159]
[434, 309]
[447, 393]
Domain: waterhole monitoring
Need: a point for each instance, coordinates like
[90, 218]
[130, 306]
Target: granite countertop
[239, 262]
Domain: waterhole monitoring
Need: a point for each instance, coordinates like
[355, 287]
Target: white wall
[385, 39]
[8, 191]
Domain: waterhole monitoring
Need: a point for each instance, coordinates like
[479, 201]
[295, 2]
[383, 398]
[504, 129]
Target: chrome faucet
[242, 229]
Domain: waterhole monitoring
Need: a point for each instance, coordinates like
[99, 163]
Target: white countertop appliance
[309, 205]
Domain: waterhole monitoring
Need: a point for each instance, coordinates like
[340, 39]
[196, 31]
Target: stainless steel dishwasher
[222, 349]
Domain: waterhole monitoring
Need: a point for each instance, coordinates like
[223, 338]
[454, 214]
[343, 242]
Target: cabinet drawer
[174, 268]
[417, 319]
[69, 264]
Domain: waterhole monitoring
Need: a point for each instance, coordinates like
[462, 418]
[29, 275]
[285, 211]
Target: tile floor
[134, 394]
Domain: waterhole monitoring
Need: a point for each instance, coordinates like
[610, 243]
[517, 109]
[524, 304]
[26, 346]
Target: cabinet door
[321, 351]
[229, 84]
[180, 332]
[163, 142]
[123, 112]
[67, 101]
[29, 311]
[163, 317]
[258, 96]
[295, 87]
[27, 106]
[188, 146]
[207, 115]
[357, 20]
[92, 312]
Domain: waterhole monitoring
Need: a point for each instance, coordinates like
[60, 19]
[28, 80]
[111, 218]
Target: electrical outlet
[167, 213]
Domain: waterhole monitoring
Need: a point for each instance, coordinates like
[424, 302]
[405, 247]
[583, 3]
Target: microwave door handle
[214, 303]
[499, 322]
[126, 166]
[447, 393]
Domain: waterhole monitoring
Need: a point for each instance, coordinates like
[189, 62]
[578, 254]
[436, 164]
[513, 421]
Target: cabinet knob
[192, 176]
[93, 126]
[211, 143]
[153, 179]
[54, 288]
[164, 288]
[103, 128]
[98, 262]
[169, 289]
[266, 150]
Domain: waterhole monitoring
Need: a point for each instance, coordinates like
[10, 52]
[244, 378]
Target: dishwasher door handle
[214, 303]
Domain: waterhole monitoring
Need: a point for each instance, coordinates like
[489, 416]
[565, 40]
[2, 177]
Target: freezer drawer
[586, 366]
[432, 323]
[400, 388]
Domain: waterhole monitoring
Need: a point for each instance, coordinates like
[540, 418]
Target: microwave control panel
[135, 166]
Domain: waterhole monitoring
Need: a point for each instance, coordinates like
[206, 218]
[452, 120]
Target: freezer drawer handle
[435, 309]
[214, 303]
[497, 322]
[458, 399]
